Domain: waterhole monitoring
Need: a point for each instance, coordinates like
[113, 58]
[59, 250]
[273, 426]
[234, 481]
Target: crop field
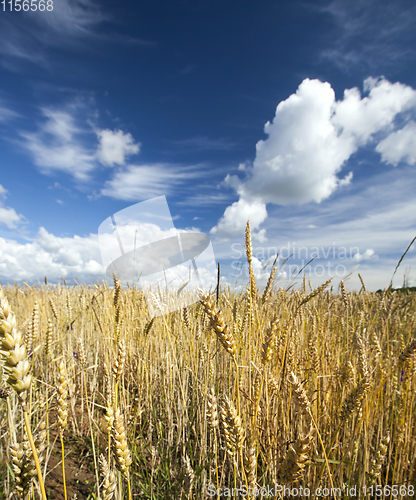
[279, 389]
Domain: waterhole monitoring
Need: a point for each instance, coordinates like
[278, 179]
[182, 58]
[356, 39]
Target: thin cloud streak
[370, 33]
[57, 146]
[141, 182]
[70, 24]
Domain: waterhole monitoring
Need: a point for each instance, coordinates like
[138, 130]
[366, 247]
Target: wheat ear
[268, 289]
[377, 463]
[294, 463]
[353, 401]
[344, 293]
[16, 366]
[120, 446]
[110, 480]
[212, 411]
[82, 355]
[300, 395]
[119, 361]
[269, 341]
[218, 324]
[62, 415]
[249, 253]
[250, 464]
[189, 473]
[53, 307]
[315, 292]
[232, 426]
[408, 352]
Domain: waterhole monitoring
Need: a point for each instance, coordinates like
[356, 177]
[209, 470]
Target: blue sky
[300, 116]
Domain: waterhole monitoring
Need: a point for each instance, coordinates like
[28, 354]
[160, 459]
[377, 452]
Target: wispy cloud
[141, 182]
[58, 145]
[203, 199]
[67, 142]
[28, 38]
[71, 22]
[6, 113]
[74, 17]
[370, 33]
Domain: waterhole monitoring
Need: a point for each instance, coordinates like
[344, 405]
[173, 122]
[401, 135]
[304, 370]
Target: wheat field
[289, 390]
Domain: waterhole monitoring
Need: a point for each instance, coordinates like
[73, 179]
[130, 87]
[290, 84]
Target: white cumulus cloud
[399, 146]
[309, 141]
[359, 118]
[236, 216]
[8, 216]
[51, 256]
[114, 146]
[364, 256]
